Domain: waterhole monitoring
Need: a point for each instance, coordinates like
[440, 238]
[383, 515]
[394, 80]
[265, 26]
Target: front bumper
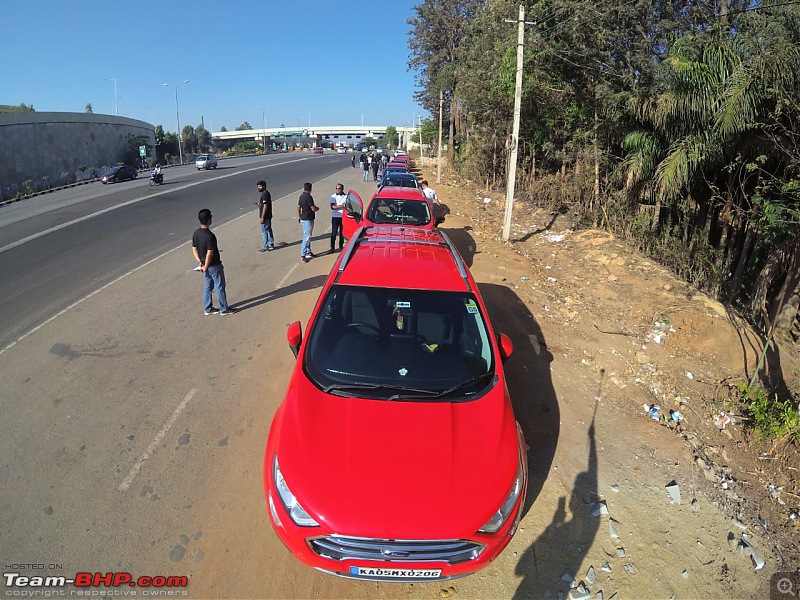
[390, 560]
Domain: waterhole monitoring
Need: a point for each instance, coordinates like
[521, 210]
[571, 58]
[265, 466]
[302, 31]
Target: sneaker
[230, 311]
[270, 248]
[263, 249]
[304, 259]
[311, 255]
[213, 311]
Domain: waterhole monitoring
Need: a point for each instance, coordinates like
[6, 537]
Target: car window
[394, 211]
[389, 340]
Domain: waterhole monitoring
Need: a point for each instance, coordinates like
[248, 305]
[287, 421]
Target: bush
[772, 418]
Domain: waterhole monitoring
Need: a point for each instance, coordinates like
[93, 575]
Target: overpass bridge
[336, 134]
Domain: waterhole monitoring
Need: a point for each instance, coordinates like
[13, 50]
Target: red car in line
[390, 205]
[395, 454]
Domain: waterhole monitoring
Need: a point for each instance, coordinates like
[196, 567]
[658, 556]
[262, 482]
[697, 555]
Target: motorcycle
[156, 178]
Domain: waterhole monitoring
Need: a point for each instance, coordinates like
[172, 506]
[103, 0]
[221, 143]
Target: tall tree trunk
[744, 257]
[596, 158]
[783, 309]
[451, 148]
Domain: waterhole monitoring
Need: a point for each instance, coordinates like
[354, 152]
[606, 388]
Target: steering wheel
[369, 326]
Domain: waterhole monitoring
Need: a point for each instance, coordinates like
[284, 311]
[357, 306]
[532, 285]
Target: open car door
[353, 214]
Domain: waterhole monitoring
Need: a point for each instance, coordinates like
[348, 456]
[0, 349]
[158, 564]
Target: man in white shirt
[337, 204]
[429, 192]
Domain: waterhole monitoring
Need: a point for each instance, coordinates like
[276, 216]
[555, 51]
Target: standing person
[429, 192]
[365, 166]
[305, 214]
[206, 253]
[353, 160]
[375, 166]
[337, 204]
[265, 217]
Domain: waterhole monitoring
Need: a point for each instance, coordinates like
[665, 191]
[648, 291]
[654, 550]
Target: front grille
[453, 552]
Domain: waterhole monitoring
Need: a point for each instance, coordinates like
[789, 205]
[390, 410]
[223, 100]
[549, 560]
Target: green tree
[244, 126]
[203, 138]
[88, 108]
[22, 107]
[391, 137]
[438, 30]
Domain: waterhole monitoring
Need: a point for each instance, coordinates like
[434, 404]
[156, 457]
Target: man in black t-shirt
[265, 217]
[206, 253]
[305, 214]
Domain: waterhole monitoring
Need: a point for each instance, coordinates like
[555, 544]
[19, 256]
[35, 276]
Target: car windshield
[202, 158]
[392, 211]
[396, 179]
[394, 344]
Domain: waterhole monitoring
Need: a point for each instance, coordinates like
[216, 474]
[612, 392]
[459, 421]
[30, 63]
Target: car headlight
[499, 518]
[290, 504]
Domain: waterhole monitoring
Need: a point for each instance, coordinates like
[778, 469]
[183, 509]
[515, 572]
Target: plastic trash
[653, 410]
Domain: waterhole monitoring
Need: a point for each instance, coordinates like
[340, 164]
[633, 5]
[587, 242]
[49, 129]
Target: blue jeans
[214, 278]
[366, 175]
[308, 229]
[266, 233]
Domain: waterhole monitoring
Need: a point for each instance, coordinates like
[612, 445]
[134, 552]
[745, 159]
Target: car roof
[403, 257]
[399, 192]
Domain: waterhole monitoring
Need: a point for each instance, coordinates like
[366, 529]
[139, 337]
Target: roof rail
[446, 242]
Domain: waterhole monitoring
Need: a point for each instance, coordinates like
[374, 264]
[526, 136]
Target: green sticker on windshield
[472, 308]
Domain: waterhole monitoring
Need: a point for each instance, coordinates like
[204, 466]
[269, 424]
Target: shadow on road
[304, 285]
[562, 545]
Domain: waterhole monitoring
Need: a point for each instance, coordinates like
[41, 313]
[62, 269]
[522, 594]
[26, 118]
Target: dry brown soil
[599, 331]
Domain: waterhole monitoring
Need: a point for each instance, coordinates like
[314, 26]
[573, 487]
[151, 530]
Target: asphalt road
[57, 248]
[133, 427]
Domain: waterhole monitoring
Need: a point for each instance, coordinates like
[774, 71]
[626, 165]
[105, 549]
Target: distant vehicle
[341, 150]
[206, 161]
[119, 173]
[361, 147]
[379, 150]
[318, 150]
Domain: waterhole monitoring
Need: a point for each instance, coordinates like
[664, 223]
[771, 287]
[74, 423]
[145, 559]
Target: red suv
[395, 454]
[390, 205]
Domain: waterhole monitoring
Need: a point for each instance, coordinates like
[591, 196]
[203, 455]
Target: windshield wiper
[344, 387]
[464, 384]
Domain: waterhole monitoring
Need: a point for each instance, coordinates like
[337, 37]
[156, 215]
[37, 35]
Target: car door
[353, 214]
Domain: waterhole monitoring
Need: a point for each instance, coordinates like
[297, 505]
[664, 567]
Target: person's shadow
[540, 567]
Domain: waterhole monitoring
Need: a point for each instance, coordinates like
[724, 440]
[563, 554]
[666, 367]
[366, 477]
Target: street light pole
[178, 117]
[114, 79]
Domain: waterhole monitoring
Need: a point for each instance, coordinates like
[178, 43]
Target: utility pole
[439, 150]
[419, 123]
[514, 141]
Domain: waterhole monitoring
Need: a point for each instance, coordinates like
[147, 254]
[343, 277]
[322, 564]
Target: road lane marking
[100, 289]
[129, 202]
[126, 483]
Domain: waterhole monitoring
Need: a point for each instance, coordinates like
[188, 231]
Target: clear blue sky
[339, 61]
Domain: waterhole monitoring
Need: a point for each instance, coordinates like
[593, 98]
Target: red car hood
[391, 469]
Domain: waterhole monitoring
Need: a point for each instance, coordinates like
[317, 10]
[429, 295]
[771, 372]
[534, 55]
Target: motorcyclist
[156, 174]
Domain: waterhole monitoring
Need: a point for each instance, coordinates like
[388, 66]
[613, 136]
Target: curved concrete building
[41, 147]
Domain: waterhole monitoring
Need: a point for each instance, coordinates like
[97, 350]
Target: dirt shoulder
[600, 332]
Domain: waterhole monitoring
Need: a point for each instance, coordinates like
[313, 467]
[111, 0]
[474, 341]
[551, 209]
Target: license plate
[398, 573]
